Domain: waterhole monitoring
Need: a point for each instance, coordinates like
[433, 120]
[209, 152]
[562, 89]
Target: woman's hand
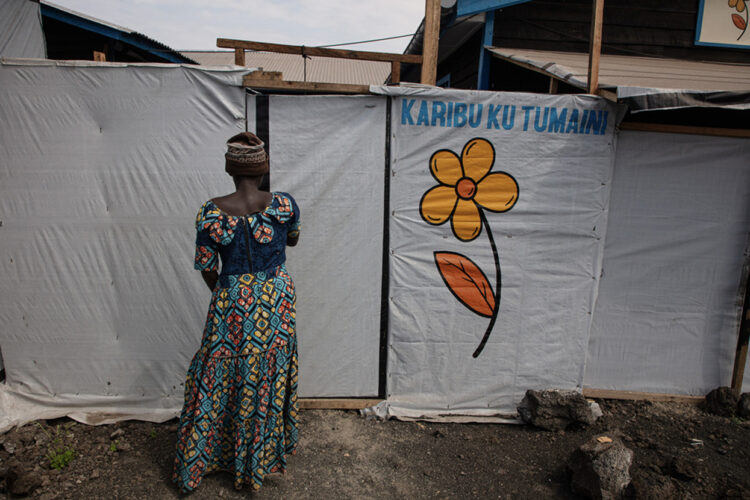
[210, 277]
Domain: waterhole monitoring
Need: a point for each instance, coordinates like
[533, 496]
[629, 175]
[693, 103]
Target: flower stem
[498, 285]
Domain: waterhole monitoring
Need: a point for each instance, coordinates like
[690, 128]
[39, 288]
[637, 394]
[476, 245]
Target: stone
[649, 486]
[683, 469]
[116, 434]
[743, 406]
[721, 401]
[555, 410]
[24, 483]
[600, 470]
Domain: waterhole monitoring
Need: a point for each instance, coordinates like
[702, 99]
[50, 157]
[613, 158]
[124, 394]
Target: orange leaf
[738, 21]
[467, 282]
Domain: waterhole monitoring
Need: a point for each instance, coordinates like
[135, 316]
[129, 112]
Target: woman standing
[240, 411]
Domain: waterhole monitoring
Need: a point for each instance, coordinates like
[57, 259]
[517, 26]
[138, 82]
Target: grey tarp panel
[102, 170]
[21, 29]
[666, 319]
[329, 152]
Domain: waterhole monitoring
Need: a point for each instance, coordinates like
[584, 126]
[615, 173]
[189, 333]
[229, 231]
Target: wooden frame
[337, 403]
[640, 396]
[240, 46]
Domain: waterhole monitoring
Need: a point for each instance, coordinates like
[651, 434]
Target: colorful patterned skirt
[240, 411]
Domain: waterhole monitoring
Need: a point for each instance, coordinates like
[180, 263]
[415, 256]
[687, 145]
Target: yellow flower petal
[497, 192]
[740, 5]
[732, 3]
[446, 167]
[437, 204]
[466, 222]
[477, 158]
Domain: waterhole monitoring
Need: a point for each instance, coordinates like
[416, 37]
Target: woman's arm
[210, 277]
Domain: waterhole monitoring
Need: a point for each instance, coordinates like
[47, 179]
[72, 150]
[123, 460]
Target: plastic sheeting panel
[560, 151]
[21, 32]
[667, 315]
[329, 153]
[102, 170]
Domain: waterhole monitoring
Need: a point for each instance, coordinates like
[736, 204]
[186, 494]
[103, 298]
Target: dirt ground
[342, 455]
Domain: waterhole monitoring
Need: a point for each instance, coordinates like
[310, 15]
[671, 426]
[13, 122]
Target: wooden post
[740, 357]
[595, 45]
[430, 41]
[239, 57]
[395, 72]
[552, 85]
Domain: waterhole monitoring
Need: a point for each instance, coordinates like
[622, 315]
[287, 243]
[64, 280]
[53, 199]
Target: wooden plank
[430, 41]
[329, 88]
[337, 403]
[740, 356]
[553, 85]
[239, 57]
[265, 75]
[595, 45]
[228, 43]
[640, 396]
[685, 129]
[395, 72]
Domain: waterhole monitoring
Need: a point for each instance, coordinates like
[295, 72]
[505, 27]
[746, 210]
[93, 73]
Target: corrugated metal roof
[630, 71]
[113, 31]
[292, 67]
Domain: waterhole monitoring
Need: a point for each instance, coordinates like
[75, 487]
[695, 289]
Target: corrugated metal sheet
[292, 67]
[629, 71]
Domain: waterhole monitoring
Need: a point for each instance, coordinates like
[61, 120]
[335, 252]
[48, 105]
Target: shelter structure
[459, 246]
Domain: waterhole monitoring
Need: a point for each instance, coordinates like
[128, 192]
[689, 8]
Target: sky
[196, 24]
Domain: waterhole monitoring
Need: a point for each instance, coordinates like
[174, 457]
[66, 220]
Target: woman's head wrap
[245, 155]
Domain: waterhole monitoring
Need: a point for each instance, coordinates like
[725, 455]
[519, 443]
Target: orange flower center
[466, 188]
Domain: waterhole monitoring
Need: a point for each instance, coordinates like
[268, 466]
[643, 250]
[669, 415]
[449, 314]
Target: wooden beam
[640, 396]
[430, 41]
[395, 72]
[265, 75]
[685, 129]
[327, 88]
[740, 356]
[553, 85]
[228, 43]
[239, 57]
[595, 45]
[337, 403]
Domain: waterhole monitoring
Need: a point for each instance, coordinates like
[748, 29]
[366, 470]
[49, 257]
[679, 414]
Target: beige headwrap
[245, 155]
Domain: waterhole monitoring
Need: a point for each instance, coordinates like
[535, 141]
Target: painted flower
[738, 4]
[466, 186]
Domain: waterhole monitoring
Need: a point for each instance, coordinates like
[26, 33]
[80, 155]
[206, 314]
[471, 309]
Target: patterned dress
[240, 411]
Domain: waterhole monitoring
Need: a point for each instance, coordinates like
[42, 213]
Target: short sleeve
[294, 220]
[206, 246]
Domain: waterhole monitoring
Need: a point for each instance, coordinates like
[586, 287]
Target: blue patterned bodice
[251, 243]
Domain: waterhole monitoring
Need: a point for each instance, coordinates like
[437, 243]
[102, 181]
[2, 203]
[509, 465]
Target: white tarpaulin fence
[549, 241]
[668, 311]
[103, 166]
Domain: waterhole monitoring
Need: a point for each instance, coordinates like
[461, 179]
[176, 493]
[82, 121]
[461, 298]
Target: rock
[721, 401]
[116, 434]
[600, 470]
[683, 469]
[648, 486]
[555, 410]
[24, 483]
[743, 406]
[94, 474]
